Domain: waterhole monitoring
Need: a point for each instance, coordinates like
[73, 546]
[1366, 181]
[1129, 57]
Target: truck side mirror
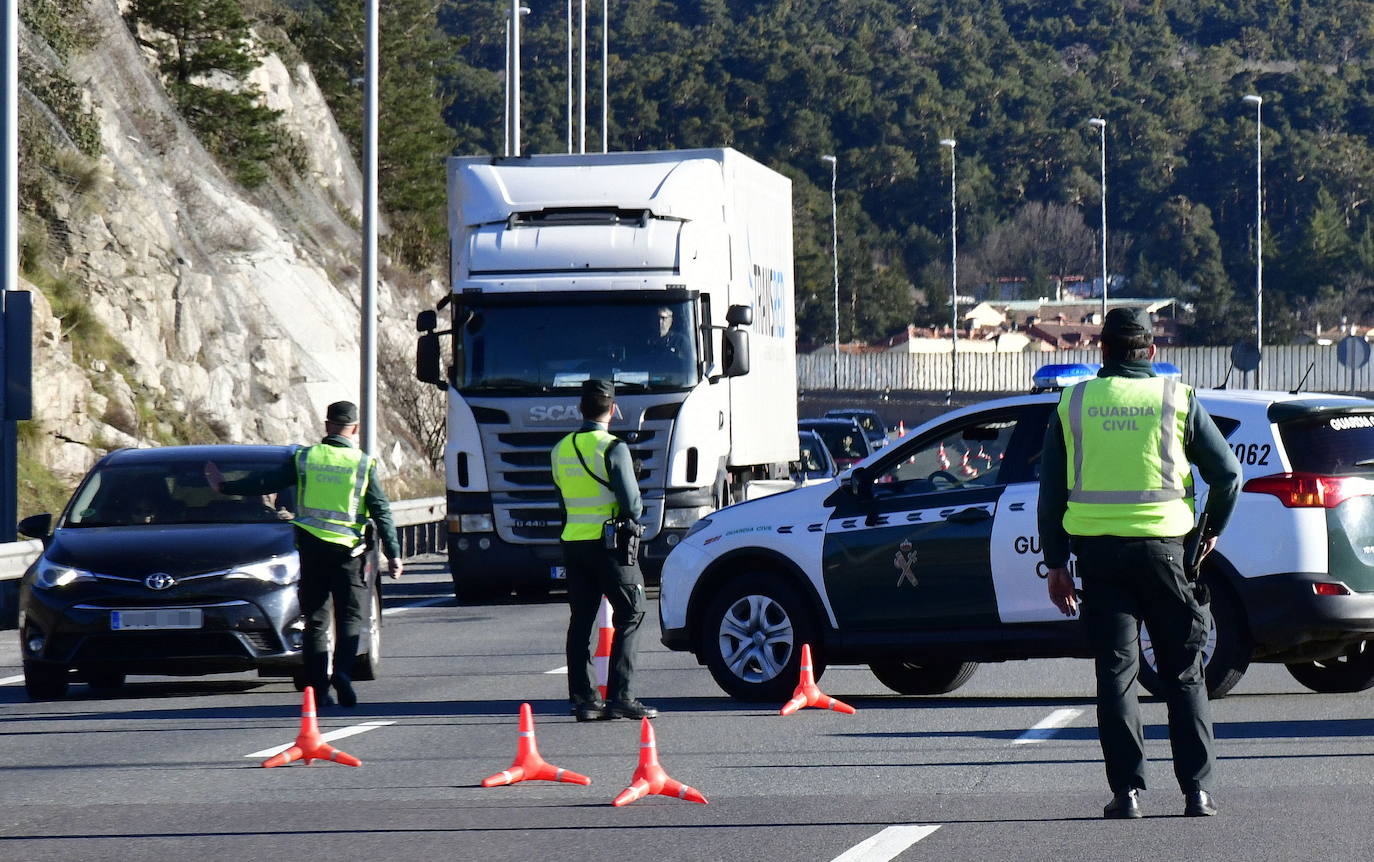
[735, 348]
[428, 363]
[740, 315]
[427, 321]
[36, 526]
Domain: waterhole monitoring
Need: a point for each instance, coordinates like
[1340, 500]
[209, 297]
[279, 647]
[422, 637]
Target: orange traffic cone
[528, 765]
[605, 634]
[901, 428]
[308, 744]
[650, 779]
[941, 459]
[807, 694]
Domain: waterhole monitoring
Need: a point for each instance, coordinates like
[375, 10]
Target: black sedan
[150, 571]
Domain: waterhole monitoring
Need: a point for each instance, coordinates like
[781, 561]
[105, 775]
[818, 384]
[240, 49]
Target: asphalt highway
[1008, 767]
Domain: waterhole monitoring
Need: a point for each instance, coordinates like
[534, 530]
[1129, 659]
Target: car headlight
[475, 523]
[48, 575]
[278, 570]
[678, 519]
[698, 527]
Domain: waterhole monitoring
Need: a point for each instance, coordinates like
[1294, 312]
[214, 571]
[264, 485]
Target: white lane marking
[341, 733]
[11, 680]
[886, 845]
[563, 669]
[424, 603]
[1045, 727]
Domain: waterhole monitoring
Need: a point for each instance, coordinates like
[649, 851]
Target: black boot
[344, 686]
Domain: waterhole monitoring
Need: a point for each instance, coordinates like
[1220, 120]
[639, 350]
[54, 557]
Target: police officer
[336, 492]
[1116, 488]
[595, 478]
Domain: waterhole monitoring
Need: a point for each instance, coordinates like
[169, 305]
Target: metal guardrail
[419, 524]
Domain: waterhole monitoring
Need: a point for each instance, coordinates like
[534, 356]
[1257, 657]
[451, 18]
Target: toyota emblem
[159, 581]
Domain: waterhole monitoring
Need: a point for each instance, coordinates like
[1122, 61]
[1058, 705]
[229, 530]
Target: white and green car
[924, 560]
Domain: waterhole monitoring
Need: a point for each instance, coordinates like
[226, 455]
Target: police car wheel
[1351, 671]
[909, 677]
[1226, 653]
[752, 635]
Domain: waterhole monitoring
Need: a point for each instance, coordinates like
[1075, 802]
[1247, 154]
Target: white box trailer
[566, 267]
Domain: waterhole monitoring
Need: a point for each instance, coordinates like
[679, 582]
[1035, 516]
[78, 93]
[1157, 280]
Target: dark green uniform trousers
[592, 573]
[1127, 581]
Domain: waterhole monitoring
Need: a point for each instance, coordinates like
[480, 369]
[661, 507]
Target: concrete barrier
[419, 527]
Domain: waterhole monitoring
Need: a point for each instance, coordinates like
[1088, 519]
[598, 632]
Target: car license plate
[162, 618]
[558, 573]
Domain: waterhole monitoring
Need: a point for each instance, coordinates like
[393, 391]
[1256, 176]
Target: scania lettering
[669, 273]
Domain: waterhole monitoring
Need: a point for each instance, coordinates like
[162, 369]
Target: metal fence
[419, 523]
[1206, 367]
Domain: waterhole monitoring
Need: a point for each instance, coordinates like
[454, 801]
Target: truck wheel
[45, 682]
[369, 664]
[1351, 671]
[909, 677]
[1225, 655]
[752, 635]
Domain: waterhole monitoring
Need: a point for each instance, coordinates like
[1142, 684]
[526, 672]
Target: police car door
[907, 544]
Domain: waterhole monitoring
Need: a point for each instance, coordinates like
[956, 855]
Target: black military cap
[342, 413]
[598, 387]
[1123, 322]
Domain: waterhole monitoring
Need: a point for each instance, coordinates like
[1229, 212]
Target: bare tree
[1049, 239]
[420, 407]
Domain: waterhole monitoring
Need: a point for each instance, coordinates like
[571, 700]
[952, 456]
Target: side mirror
[427, 321]
[735, 344]
[428, 364]
[740, 315]
[36, 526]
[859, 483]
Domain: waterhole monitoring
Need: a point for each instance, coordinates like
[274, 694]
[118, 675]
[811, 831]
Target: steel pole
[9, 267]
[1258, 102]
[570, 77]
[953, 273]
[515, 77]
[505, 149]
[369, 275]
[582, 85]
[835, 263]
[605, 75]
[1103, 130]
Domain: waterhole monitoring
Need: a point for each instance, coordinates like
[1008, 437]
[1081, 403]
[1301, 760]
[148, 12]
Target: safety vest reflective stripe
[587, 502]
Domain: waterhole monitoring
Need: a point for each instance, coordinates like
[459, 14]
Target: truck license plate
[162, 618]
[558, 573]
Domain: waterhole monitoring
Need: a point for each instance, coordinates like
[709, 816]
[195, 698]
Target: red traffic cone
[605, 634]
[807, 694]
[528, 765]
[650, 779]
[309, 746]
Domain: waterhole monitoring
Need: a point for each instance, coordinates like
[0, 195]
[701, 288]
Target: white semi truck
[669, 273]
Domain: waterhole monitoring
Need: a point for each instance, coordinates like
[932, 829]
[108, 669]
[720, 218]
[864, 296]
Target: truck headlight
[681, 519]
[278, 570]
[475, 523]
[48, 575]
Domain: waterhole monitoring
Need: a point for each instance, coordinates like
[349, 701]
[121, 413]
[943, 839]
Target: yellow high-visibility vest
[588, 503]
[330, 483]
[1127, 472]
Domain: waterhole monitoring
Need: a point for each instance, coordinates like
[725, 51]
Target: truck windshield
[641, 346]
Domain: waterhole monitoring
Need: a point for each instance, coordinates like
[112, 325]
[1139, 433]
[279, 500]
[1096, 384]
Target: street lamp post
[1252, 99]
[1101, 125]
[570, 77]
[513, 80]
[835, 259]
[953, 275]
[605, 77]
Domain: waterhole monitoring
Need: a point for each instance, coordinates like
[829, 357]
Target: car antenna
[1298, 388]
[1226, 377]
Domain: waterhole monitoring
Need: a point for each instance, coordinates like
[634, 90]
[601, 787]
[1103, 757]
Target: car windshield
[175, 492]
[844, 442]
[644, 345]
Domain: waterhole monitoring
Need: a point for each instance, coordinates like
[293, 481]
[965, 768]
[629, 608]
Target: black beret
[598, 387]
[342, 413]
[1123, 322]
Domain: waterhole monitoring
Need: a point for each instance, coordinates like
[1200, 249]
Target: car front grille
[159, 645]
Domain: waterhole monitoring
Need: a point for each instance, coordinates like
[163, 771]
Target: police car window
[969, 456]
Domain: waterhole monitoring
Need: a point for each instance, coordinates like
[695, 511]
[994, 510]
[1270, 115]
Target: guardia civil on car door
[924, 560]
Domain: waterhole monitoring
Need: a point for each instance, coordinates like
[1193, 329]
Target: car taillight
[1308, 490]
[1325, 588]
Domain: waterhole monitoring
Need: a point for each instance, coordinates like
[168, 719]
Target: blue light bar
[1059, 376]
[1168, 369]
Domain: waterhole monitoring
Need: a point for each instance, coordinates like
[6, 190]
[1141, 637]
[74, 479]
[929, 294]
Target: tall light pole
[570, 78]
[582, 81]
[1101, 126]
[368, 306]
[605, 56]
[513, 79]
[1252, 99]
[953, 274]
[835, 259]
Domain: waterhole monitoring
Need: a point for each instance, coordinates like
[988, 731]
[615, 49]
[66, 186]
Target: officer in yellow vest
[1116, 487]
[336, 493]
[595, 477]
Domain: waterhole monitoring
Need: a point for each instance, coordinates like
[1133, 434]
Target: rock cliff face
[237, 312]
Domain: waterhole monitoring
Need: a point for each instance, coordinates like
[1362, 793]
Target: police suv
[924, 559]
